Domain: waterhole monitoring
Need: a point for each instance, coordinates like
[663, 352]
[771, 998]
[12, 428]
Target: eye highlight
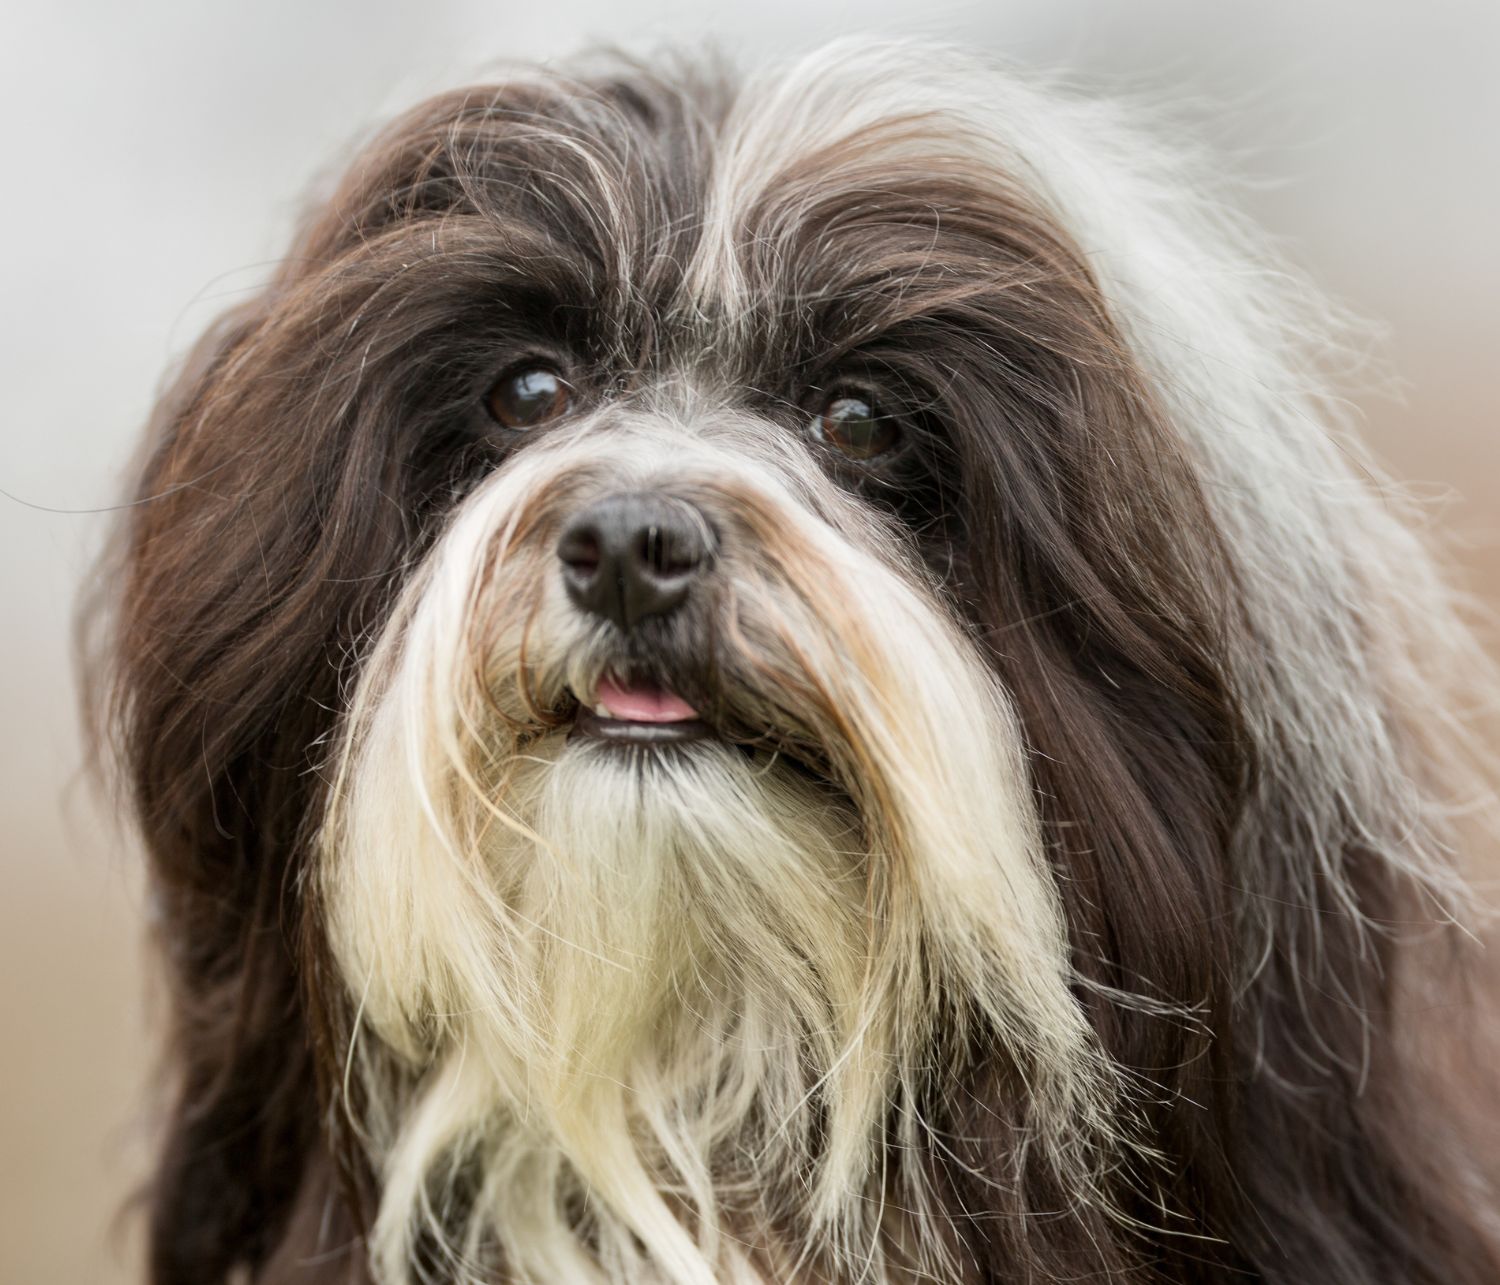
[850, 421]
[528, 397]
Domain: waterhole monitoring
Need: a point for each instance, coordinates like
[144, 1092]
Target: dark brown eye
[851, 423]
[529, 397]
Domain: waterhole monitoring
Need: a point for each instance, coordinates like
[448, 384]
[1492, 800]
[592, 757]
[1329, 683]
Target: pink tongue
[642, 704]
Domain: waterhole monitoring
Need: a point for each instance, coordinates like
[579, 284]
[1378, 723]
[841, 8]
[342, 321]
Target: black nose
[633, 555]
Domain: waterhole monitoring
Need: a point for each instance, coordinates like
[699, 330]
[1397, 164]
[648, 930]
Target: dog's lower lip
[622, 731]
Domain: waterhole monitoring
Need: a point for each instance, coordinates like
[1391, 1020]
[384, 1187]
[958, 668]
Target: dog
[790, 678]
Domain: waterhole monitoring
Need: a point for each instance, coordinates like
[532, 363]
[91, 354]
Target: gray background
[155, 156]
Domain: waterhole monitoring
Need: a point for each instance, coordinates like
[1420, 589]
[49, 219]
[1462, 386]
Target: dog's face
[679, 807]
[756, 681]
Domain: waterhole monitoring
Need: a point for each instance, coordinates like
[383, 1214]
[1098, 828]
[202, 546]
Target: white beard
[631, 1016]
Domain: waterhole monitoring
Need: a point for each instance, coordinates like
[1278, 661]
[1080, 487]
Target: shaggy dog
[783, 680]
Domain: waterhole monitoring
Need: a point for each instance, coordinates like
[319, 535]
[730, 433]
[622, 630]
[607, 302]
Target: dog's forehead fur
[746, 234]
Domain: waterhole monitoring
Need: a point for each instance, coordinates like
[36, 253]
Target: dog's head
[775, 681]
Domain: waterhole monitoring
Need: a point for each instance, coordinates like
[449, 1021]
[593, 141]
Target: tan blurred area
[156, 157]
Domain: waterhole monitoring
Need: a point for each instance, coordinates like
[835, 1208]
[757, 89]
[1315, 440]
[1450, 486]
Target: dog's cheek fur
[1227, 658]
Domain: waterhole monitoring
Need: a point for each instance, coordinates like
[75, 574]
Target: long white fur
[641, 988]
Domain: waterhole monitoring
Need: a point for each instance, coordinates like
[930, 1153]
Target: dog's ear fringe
[237, 1124]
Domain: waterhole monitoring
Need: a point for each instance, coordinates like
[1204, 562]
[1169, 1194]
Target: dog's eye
[528, 397]
[852, 424]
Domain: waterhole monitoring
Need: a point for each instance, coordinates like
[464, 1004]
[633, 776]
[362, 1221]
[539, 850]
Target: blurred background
[157, 154]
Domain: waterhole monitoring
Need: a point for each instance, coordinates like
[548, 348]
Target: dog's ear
[1239, 963]
[232, 611]
[207, 739]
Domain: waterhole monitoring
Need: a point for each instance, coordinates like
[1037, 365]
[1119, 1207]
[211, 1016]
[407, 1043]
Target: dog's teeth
[602, 711]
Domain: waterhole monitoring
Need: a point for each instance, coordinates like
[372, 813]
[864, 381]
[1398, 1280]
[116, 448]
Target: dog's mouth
[638, 709]
[638, 713]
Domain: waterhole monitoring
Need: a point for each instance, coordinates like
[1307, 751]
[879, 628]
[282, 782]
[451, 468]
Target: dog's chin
[688, 777]
[685, 786]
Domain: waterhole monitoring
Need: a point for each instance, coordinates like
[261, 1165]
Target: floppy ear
[254, 558]
[1238, 746]
[197, 715]
[273, 519]
[1241, 956]
[1101, 591]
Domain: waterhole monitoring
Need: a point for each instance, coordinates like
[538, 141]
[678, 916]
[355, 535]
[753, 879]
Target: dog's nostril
[634, 555]
[668, 550]
[579, 550]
